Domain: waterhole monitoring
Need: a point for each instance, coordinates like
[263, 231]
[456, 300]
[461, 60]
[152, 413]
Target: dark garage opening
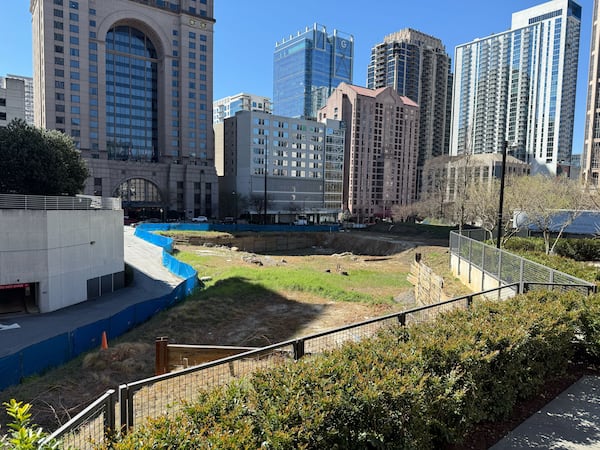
[17, 298]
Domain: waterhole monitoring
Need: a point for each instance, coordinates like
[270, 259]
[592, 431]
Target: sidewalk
[571, 421]
[151, 280]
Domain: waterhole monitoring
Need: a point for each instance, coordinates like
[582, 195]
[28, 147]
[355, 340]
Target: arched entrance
[141, 199]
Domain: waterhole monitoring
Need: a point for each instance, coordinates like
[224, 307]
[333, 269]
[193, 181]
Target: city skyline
[244, 46]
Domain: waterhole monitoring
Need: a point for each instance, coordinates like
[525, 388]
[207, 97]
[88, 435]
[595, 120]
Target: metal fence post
[402, 319]
[109, 415]
[470, 258]
[298, 349]
[124, 406]
[469, 301]
[521, 275]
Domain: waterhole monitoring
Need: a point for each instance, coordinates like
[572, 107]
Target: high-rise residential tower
[418, 67]
[380, 157]
[307, 68]
[590, 161]
[131, 82]
[226, 107]
[518, 87]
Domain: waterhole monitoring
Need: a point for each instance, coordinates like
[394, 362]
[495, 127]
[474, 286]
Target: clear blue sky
[246, 32]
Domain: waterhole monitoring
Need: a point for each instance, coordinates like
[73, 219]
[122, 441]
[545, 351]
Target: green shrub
[590, 326]
[418, 387]
[584, 249]
[24, 435]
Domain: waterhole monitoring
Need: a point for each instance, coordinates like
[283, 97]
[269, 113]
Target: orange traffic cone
[104, 341]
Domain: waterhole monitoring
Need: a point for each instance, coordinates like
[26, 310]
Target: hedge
[418, 387]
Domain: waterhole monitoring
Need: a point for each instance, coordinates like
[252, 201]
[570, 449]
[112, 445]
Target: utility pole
[266, 170]
[501, 205]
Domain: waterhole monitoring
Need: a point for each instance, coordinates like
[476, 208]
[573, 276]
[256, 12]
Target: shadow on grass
[234, 311]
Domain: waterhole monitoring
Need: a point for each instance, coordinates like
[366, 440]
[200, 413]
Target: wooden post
[162, 355]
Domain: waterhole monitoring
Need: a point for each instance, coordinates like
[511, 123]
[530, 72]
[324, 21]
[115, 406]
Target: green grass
[360, 285]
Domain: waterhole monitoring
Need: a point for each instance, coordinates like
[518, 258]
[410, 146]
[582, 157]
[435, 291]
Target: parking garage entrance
[17, 298]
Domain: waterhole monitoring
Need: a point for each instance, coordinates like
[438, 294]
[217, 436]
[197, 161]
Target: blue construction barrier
[62, 348]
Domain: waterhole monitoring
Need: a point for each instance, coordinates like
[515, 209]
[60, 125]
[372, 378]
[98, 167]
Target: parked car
[301, 220]
[201, 219]
[228, 220]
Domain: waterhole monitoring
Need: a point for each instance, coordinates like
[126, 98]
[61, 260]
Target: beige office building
[131, 82]
[381, 146]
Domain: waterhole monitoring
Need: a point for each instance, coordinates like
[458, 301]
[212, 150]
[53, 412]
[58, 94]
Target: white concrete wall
[60, 250]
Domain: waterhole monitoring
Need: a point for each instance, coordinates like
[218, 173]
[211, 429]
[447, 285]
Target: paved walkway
[151, 280]
[570, 422]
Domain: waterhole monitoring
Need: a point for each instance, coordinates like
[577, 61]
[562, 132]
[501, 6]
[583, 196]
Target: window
[59, 84]
[74, 40]
[74, 28]
[58, 13]
[58, 2]
[59, 61]
[74, 17]
[74, 51]
[75, 63]
[92, 12]
[74, 5]
[58, 37]
[58, 25]
[59, 73]
[75, 110]
[59, 108]
[59, 96]
[59, 49]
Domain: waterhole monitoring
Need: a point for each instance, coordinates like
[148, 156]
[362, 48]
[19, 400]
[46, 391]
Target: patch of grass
[346, 283]
[195, 233]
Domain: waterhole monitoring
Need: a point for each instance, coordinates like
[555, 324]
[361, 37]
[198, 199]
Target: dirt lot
[257, 318]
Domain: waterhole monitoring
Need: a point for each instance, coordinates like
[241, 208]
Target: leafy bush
[590, 326]
[417, 387]
[24, 434]
[579, 249]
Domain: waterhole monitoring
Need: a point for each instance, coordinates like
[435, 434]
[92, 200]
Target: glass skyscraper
[519, 87]
[307, 68]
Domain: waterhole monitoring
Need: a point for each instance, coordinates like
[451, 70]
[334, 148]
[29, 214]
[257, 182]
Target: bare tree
[548, 204]
[482, 204]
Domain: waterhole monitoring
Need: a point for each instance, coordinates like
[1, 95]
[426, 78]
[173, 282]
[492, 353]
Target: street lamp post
[266, 170]
[501, 205]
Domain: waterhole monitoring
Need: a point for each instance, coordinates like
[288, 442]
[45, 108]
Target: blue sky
[246, 32]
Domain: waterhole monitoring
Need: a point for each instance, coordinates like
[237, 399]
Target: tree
[39, 162]
[548, 204]
[482, 206]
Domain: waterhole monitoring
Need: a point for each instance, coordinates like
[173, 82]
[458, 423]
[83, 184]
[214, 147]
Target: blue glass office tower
[307, 68]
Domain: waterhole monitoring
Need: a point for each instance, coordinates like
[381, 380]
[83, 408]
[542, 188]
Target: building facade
[293, 166]
[131, 82]
[418, 67]
[590, 160]
[307, 68]
[444, 177]
[381, 148]
[228, 106]
[16, 99]
[519, 86]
